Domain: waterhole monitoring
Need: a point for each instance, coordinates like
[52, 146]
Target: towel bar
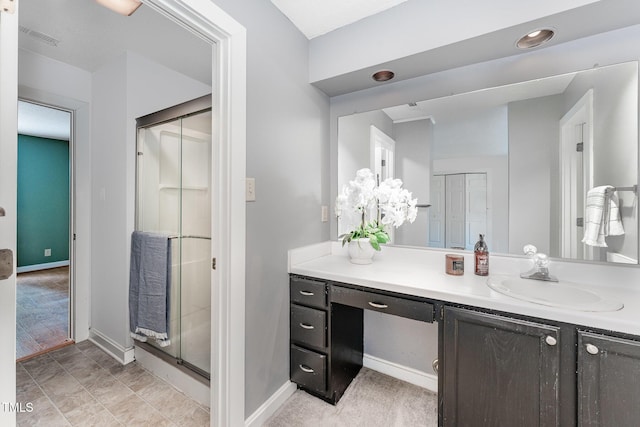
[633, 188]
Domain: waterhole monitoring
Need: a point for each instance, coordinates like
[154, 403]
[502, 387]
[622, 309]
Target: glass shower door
[174, 197]
[195, 340]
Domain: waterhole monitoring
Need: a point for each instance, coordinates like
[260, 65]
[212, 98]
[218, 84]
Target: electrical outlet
[47, 252]
[325, 213]
[251, 190]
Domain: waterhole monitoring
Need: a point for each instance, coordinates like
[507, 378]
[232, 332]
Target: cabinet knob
[592, 349]
[551, 340]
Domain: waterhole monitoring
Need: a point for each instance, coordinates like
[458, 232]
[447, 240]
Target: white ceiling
[90, 36]
[84, 34]
[450, 108]
[315, 18]
[45, 122]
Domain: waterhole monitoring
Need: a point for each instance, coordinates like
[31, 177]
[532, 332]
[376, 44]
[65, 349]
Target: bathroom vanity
[502, 361]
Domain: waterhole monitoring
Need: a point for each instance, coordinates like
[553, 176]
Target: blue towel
[149, 287]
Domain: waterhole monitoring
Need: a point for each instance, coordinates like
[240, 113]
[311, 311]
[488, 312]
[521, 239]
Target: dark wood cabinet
[323, 358]
[499, 371]
[326, 331]
[608, 381]
[495, 369]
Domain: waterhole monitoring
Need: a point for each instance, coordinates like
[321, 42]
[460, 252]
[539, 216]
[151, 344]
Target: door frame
[8, 201]
[73, 327]
[571, 205]
[229, 46]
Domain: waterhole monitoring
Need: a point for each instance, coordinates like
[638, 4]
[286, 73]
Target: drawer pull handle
[592, 349]
[306, 369]
[306, 293]
[305, 326]
[377, 305]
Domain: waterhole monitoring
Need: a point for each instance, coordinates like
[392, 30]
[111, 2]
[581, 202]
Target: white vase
[361, 251]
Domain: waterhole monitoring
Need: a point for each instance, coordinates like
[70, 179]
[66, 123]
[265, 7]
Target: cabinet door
[499, 371]
[608, 381]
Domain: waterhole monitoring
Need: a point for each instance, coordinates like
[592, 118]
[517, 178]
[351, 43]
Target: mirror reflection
[549, 162]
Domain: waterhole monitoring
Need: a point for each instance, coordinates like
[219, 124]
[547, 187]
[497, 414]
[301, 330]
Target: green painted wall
[43, 200]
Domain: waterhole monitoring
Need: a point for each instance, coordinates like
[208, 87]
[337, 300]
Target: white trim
[188, 385]
[404, 373]
[45, 266]
[228, 204]
[8, 197]
[569, 240]
[122, 354]
[268, 408]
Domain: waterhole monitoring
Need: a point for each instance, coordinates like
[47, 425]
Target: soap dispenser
[481, 252]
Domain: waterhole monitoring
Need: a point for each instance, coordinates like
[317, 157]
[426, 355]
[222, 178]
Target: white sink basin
[555, 294]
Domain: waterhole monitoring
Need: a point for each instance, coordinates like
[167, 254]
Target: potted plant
[374, 207]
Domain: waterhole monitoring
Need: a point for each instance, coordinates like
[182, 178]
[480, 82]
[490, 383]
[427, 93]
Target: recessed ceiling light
[383, 75]
[535, 38]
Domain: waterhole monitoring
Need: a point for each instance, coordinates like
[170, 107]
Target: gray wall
[533, 155]
[287, 154]
[355, 151]
[413, 167]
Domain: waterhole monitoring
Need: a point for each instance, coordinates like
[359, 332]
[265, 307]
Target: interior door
[8, 203]
[455, 211]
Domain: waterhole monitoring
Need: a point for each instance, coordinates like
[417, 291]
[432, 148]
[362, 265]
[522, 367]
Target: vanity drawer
[308, 292]
[308, 326]
[309, 369]
[411, 309]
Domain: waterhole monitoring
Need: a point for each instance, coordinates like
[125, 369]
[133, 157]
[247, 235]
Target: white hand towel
[614, 221]
[602, 216]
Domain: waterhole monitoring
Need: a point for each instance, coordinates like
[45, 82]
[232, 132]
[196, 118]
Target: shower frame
[180, 111]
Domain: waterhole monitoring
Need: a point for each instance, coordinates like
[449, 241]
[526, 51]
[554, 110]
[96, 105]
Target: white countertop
[421, 272]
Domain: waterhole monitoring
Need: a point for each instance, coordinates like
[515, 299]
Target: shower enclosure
[173, 196]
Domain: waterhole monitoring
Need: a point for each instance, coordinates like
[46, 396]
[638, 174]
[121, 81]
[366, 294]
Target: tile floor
[80, 385]
[42, 310]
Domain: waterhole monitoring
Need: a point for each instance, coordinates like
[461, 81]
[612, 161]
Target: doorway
[576, 176]
[229, 75]
[44, 216]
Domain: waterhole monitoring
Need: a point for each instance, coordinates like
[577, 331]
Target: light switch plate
[324, 215]
[251, 190]
[6, 263]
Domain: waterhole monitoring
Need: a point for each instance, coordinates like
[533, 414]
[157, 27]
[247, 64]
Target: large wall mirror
[514, 162]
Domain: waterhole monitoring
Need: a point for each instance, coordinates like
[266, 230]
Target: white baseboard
[404, 373]
[122, 354]
[45, 266]
[268, 408]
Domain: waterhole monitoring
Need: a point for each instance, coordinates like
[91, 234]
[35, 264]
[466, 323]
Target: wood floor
[42, 311]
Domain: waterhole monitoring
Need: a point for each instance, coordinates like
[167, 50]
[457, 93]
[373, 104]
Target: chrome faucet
[540, 270]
